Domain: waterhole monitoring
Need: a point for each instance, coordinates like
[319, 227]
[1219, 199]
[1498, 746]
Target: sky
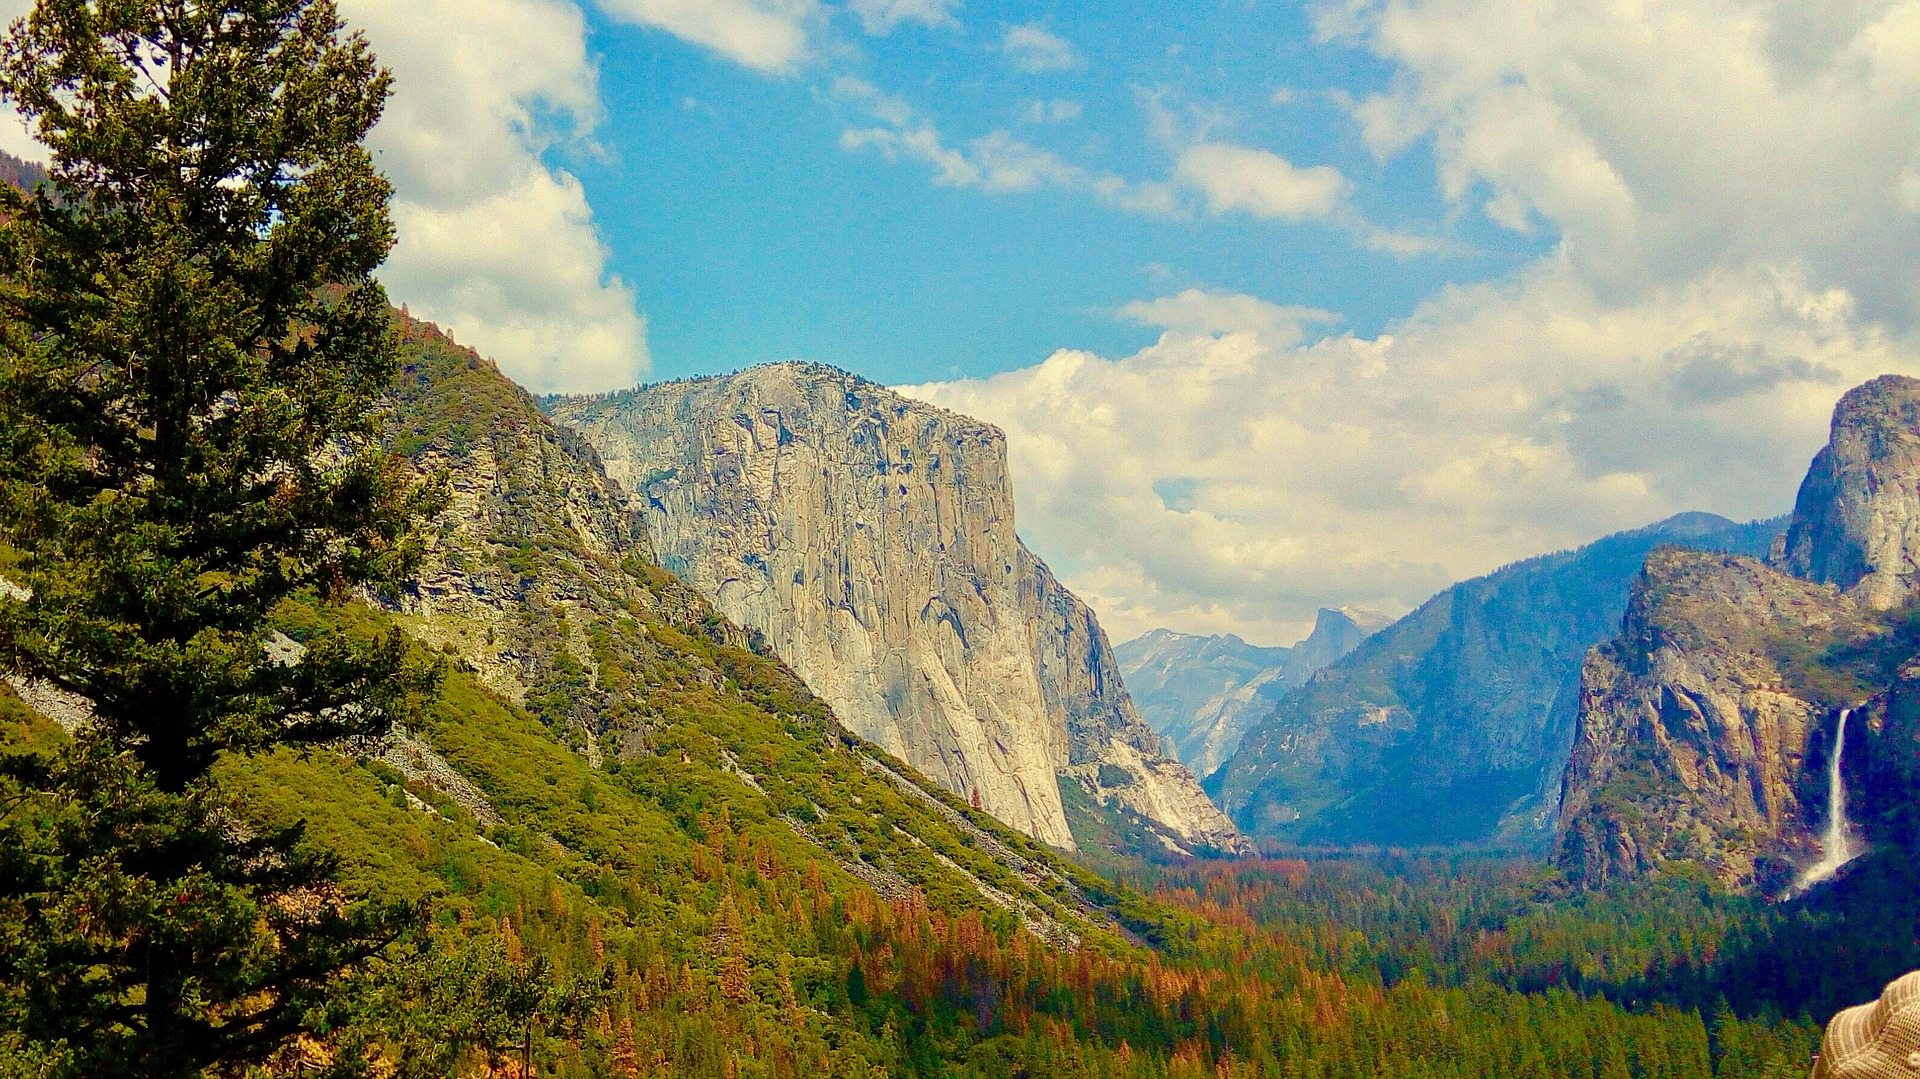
[1280, 305]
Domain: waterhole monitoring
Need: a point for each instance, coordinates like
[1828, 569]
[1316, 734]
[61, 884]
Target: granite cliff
[1707, 727]
[1204, 693]
[540, 582]
[1856, 523]
[869, 539]
[1693, 743]
[1454, 724]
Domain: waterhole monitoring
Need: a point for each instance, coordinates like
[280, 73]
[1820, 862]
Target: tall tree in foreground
[191, 348]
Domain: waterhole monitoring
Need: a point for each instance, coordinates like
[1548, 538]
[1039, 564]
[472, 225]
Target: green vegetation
[1846, 664]
[617, 838]
[191, 343]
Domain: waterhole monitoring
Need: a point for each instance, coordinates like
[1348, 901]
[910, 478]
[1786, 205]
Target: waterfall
[1837, 847]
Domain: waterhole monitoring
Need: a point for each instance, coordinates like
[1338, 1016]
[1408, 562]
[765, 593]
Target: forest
[300, 824]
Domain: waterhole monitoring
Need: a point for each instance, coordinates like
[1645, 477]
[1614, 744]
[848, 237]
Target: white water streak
[1837, 847]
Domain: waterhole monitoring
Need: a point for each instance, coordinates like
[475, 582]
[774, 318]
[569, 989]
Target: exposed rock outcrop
[1205, 693]
[1856, 523]
[538, 545]
[870, 540]
[1454, 724]
[541, 580]
[1707, 728]
[1693, 742]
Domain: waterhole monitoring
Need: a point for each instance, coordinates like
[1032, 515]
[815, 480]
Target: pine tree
[192, 346]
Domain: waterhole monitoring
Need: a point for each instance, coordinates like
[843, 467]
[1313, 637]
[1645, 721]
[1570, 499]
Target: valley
[484, 689]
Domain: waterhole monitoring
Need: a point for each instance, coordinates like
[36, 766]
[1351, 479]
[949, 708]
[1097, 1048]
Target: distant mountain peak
[1453, 724]
[1203, 693]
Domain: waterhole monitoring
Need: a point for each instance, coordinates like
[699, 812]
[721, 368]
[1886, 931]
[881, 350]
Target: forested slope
[644, 849]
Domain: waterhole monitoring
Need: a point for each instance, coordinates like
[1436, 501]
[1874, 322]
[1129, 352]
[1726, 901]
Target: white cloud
[1056, 111]
[1035, 50]
[996, 162]
[882, 17]
[14, 136]
[1228, 478]
[1198, 312]
[770, 35]
[1670, 140]
[493, 244]
[1260, 183]
[1735, 187]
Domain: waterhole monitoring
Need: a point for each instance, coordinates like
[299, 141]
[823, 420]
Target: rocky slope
[1204, 693]
[540, 581]
[870, 540]
[1693, 741]
[1454, 724]
[1706, 728]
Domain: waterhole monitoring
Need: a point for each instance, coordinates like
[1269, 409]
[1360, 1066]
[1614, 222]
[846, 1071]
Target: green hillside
[738, 888]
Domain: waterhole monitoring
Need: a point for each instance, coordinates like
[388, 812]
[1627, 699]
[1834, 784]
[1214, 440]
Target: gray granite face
[1692, 746]
[1703, 736]
[869, 538]
[1856, 523]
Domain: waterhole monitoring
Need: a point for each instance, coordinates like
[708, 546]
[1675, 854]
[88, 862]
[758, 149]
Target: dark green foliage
[191, 343]
[134, 914]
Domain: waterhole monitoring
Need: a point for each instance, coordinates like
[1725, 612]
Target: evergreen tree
[192, 347]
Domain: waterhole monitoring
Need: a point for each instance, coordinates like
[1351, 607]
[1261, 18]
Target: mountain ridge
[1204, 693]
[1706, 721]
[870, 539]
[1452, 725]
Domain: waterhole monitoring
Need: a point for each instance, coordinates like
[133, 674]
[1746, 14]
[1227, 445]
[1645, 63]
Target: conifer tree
[192, 348]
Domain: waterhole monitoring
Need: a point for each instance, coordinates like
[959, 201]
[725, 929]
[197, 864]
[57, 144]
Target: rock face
[1693, 742]
[538, 547]
[540, 581]
[1204, 693]
[870, 540]
[1856, 523]
[1454, 724]
[1707, 727]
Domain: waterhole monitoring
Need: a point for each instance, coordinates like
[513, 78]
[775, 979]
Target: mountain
[869, 540]
[1454, 724]
[613, 786]
[1709, 728]
[1204, 693]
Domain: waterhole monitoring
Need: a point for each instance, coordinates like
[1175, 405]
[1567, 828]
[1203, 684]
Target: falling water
[1836, 844]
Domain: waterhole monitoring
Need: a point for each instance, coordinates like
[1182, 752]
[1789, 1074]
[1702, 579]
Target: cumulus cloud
[1231, 478]
[1667, 141]
[995, 162]
[494, 244]
[1734, 186]
[882, 17]
[1260, 183]
[1197, 312]
[770, 35]
[1034, 50]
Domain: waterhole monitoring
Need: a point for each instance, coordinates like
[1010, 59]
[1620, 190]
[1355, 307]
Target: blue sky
[1279, 305]
[750, 233]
